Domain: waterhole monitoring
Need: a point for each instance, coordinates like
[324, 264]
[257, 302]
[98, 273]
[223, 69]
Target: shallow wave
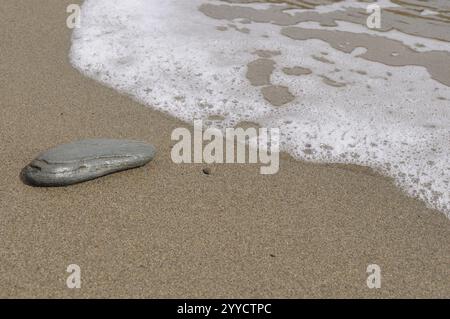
[337, 105]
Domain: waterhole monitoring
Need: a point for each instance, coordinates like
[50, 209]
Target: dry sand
[169, 230]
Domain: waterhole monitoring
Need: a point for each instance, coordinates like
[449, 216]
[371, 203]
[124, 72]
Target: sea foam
[172, 57]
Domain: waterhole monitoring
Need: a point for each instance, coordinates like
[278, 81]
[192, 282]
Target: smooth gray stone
[85, 160]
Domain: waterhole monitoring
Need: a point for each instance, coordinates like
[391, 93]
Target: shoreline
[168, 230]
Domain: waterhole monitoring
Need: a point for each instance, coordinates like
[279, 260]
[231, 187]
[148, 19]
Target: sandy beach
[170, 231]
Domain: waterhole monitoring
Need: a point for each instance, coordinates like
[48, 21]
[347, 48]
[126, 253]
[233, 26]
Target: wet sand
[169, 230]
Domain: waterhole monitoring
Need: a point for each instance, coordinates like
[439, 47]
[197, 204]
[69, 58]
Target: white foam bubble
[170, 56]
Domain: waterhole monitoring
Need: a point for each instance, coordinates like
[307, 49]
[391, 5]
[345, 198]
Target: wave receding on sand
[340, 96]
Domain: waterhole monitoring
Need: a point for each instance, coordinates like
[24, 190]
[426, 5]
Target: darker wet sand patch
[322, 59]
[277, 95]
[362, 72]
[296, 71]
[267, 53]
[221, 28]
[179, 98]
[379, 49]
[332, 82]
[260, 71]
[403, 19]
[247, 124]
[215, 118]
